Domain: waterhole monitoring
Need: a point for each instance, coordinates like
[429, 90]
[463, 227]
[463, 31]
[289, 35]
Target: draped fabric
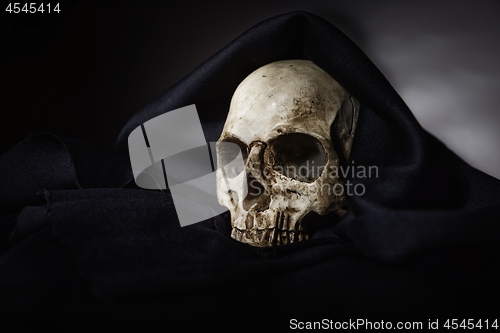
[81, 246]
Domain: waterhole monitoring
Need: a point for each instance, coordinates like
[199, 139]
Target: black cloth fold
[82, 246]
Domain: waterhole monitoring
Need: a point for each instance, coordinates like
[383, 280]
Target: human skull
[283, 117]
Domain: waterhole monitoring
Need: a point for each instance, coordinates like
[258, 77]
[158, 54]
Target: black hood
[422, 193]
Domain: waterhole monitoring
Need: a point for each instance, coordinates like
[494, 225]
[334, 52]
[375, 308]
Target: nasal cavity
[256, 194]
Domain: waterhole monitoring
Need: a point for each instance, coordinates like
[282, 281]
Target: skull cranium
[288, 118]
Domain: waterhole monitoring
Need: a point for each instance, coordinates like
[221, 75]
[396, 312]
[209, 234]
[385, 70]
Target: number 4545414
[32, 8]
[470, 324]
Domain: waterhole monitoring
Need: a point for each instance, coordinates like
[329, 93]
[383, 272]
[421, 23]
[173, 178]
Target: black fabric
[83, 247]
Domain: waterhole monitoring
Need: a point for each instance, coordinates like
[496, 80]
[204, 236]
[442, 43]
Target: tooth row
[268, 237]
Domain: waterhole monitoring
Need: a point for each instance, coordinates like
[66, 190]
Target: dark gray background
[86, 71]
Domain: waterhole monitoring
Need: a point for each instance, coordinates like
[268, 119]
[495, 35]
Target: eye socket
[228, 150]
[298, 156]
